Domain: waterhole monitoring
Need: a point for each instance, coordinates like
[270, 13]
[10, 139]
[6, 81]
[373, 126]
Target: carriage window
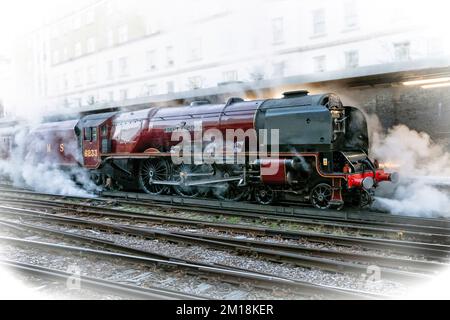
[87, 134]
[94, 134]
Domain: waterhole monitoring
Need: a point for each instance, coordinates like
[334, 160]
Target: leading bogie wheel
[365, 199]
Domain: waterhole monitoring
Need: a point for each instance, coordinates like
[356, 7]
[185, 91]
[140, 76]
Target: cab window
[87, 134]
[90, 134]
[104, 131]
[94, 134]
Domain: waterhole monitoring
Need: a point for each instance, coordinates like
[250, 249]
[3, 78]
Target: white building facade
[6, 86]
[118, 50]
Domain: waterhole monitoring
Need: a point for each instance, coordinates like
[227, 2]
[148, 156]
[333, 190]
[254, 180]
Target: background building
[5, 83]
[115, 50]
[121, 52]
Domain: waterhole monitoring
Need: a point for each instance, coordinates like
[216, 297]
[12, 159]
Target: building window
[90, 17]
[91, 101]
[279, 69]
[78, 50]
[53, 34]
[195, 49]
[77, 78]
[111, 38]
[65, 83]
[150, 90]
[77, 22]
[435, 47]
[278, 30]
[91, 45]
[56, 57]
[110, 70]
[320, 64]
[90, 74]
[123, 34]
[257, 72]
[351, 19]
[110, 96]
[351, 59]
[170, 87]
[230, 76]
[152, 27]
[45, 87]
[319, 23]
[169, 56]
[123, 94]
[151, 60]
[195, 83]
[66, 27]
[402, 51]
[123, 66]
[109, 8]
[66, 53]
[56, 87]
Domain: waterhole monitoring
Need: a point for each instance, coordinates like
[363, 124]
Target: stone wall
[419, 109]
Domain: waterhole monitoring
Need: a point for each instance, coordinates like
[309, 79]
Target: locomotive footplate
[185, 183]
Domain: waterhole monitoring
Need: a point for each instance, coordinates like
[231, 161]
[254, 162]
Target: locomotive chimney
[295, 94]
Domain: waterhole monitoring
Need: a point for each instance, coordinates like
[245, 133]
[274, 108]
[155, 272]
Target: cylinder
[274, 171]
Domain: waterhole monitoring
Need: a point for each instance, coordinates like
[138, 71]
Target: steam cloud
[23, 170]
[424, 167]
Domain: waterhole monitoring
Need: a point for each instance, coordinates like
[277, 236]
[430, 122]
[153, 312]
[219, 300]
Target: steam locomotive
[302, 147]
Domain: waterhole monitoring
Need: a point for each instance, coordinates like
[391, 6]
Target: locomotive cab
[95, 138]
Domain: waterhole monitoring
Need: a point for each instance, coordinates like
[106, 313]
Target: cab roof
[95, 120]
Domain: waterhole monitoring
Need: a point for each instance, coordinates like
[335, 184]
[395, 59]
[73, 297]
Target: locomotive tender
[322, 150]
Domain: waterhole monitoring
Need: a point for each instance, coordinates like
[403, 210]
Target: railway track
[400, 269]
[285, 213]
[110, 287]
[433, 251]
[329, 260]
[299, 255]
[225, 274]
[433, 234]
[371, 223]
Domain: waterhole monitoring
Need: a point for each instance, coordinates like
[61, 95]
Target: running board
[195, 184]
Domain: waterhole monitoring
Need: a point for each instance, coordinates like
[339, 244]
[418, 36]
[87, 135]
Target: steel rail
[278, 211]
[235, 276]
[391, 231]
[111, 287]
[362, 222]
[271, 251]
[437, 252]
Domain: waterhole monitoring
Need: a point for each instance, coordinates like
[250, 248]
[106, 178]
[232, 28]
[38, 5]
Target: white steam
[24, 170]
[424, 168]
[13, 288]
